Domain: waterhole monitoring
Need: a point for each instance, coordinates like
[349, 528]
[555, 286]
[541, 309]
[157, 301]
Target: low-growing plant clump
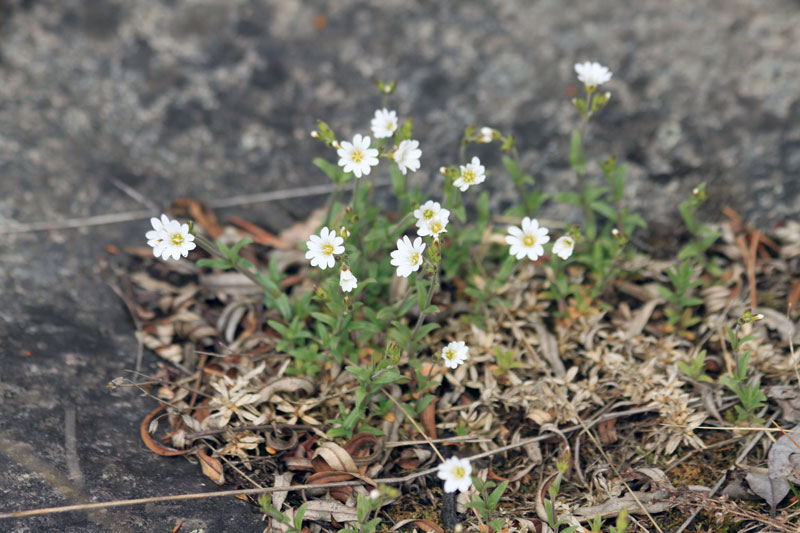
[432, 364]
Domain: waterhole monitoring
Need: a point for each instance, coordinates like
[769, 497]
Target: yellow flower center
[449, 355]
[427, 214]
[436, 227]
[459, 472]
[327, 249]
[568, 243]
[528, 240]
[468, 176]
[176, 239]
[414, 258]
[390, 126]
[357, 156]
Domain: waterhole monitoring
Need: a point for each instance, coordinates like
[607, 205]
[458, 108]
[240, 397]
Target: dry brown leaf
[202, 215]
[212, 467]
[324, 510]
[335, 457]
[152, 445]
[259, 235]
[298, 233]
[428, 419]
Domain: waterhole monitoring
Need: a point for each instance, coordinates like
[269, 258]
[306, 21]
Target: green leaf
[513, 169]
[569, 197]
[222, 264]
[298, 516]
[330, 170]
[322, 317]
[494, 497]
[238, 246]
[604, 209]
[497, 524]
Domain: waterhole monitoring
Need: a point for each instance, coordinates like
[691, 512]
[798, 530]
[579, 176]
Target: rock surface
[215, 98]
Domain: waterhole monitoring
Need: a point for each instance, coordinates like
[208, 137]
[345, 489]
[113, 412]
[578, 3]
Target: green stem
[584, 126]
[337, 190]
[211, 248]
[421, 317]
[354, 199]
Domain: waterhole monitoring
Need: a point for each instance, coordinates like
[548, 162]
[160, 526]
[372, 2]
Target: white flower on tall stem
[170, 238]
[347, 281]
[472, 173]
[527, 240]
[454, 354]
[433, 226]
[323, 247]
[408, 256]
[384, 123]
[563, 246]
[592, 74]
[407, 156]
[357, 157]
[456, 474]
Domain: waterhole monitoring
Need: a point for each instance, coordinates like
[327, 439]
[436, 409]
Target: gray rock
[215, 98]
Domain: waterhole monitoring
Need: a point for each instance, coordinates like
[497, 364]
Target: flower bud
[375, 495]
[315, 134]
[336, 144]
[343, 232]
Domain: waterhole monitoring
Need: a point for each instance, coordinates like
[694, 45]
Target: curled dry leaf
[152, 445]
[212, 467]
[331, 456]
[286, 384]
[282, 438]
[339, 493]
[358, 448]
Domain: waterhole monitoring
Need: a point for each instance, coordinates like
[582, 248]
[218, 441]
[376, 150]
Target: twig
[128, 216]
[416, 426]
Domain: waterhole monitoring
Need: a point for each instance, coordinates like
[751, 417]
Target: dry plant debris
[229, 401]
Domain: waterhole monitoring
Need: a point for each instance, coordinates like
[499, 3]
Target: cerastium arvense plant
[376, 271]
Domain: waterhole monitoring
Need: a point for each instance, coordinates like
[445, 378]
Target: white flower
[456, 474]
[170, 238]
[433, 226]
[471, 174]
[384, 123]
[357, 156]
[347, 280]
[564, 246]
[374, 495]
[454, 354]
[408, 257]
[592, 74]
[486, 135]
[407, 156]
[322, 248]
[528, 240]
[428, 210]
